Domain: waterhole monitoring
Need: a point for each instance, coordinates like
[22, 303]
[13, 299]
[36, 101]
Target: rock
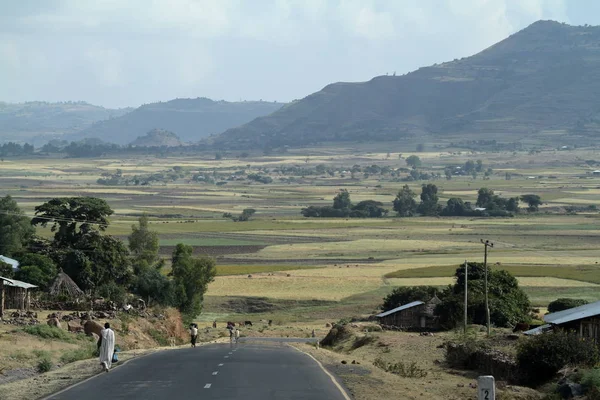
[569, 389]
[328, 325]
[54, 322]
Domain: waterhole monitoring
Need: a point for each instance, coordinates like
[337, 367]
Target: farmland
[340, 262]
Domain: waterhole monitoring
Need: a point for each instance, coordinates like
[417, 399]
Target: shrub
[48, 332]
[406, 370]
[591, 383]
[564, 304]
[539, 358]
[362, 341]
[159, 337]
[44, 365]
[84, 353]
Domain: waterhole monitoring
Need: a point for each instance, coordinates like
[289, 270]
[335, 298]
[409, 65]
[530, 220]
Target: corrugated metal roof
[538, 330]
[14, 263]
[573, 314]
[16, 283]
[404, 307]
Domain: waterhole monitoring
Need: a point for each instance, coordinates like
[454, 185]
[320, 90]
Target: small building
[596, 172]
[585, 320]
[416, 315]
[14, 295]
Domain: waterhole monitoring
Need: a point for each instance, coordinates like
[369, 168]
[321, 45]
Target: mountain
[42, 121]
[541, 79]
[190, 119]
[157, 138]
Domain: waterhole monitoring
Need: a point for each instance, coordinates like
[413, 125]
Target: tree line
[405, 204]
[100, 264]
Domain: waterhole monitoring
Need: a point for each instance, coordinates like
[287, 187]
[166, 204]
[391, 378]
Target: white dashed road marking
[216, 372]
[207, 386]
[226, 356]
[220, 365]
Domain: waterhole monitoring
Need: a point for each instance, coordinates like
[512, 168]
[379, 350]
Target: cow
[241, 323]
[248, 323]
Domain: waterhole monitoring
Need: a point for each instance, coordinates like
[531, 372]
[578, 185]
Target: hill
[190, 119]
[157, 138]
[540, 81]
[42, 121]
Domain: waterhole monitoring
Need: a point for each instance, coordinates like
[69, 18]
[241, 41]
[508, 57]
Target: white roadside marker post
[486, 388]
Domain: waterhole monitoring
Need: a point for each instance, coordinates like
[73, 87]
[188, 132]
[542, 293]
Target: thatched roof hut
[64, 285]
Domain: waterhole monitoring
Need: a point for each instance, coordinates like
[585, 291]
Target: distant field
[348, 262]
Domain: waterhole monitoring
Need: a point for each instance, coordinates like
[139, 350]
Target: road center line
[215, 372]
[207, 386]
[226, 356]
[220, 365]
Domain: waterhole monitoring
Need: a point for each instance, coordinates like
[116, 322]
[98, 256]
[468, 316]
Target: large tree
[429, 200]
[413, 161]
[533, 201]
[15, 227]
[143, 243]
[509, 305]
[405, 204]
[342, 200]
[191, 276]
[36, 269]
[72, 217]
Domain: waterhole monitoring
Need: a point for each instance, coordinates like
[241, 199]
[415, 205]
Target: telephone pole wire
[486, 244]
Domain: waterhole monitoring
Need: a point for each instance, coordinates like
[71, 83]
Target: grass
[44, 365]
[48, 332]
[210, 242]
[78, 354]
[224, 270]
[585, 273]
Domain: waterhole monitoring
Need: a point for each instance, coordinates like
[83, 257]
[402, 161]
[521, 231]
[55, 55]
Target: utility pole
[486, 244]
[466, 297]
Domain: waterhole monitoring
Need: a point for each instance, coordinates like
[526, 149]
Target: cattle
[248, 323]
[240, 323]
[521, 327]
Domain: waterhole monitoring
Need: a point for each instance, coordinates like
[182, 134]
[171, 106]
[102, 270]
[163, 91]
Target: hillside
[190, 119]
[543, 78]
[41, 121]
[157, 138]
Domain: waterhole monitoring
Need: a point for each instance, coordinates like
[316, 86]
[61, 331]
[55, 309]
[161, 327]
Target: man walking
[107, 347]
[193, 334]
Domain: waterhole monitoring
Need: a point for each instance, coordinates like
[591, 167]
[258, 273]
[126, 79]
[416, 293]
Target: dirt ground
[365, 381]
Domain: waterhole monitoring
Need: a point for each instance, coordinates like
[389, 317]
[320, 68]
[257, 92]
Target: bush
[44, 365]
[113, 292]
[408, 370]
[78, 354]
[564, 304]
[48, 332]
[159, 337]
[591, 383]
[539, 358]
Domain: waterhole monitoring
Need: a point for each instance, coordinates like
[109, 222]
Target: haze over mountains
[539, 82]
[543, 78]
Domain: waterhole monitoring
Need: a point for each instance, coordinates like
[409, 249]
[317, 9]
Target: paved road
[249, 371]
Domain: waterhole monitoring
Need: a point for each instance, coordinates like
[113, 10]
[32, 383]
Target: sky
[120, 53]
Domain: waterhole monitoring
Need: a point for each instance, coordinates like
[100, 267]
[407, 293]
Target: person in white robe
[107, 348]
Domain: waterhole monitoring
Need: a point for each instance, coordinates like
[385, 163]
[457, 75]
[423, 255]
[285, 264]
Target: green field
[347, 264]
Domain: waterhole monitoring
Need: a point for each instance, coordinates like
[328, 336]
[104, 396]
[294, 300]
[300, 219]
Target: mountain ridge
[544, 77]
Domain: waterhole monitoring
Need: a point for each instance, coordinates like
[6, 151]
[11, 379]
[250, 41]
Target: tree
[369, 209]
[564, 304]
[413, 161]
[15, 227]
[509, 305]
[484, 197]
[154, 287]
[191, 276]
[246, 214]
[72, 217]
[455, 207]
[429, 200]
[479, 166]
[342, 200]
[405, 204]
[96, 260]
[407, 294]
[448, 173]
[143, 243]
[6, 270]
[533, 200]
[36, 269]
[469, 167]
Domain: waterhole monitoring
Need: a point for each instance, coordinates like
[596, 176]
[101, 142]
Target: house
[14, 294]
[416, 315]
[596, 172]
[585, 320]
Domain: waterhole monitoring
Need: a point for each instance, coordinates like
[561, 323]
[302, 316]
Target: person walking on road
[193, 334]
[107, 348]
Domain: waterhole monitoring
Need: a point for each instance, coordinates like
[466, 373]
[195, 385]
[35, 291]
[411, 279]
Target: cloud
[271, 49]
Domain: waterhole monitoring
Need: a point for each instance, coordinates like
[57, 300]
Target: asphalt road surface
[249, 371]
